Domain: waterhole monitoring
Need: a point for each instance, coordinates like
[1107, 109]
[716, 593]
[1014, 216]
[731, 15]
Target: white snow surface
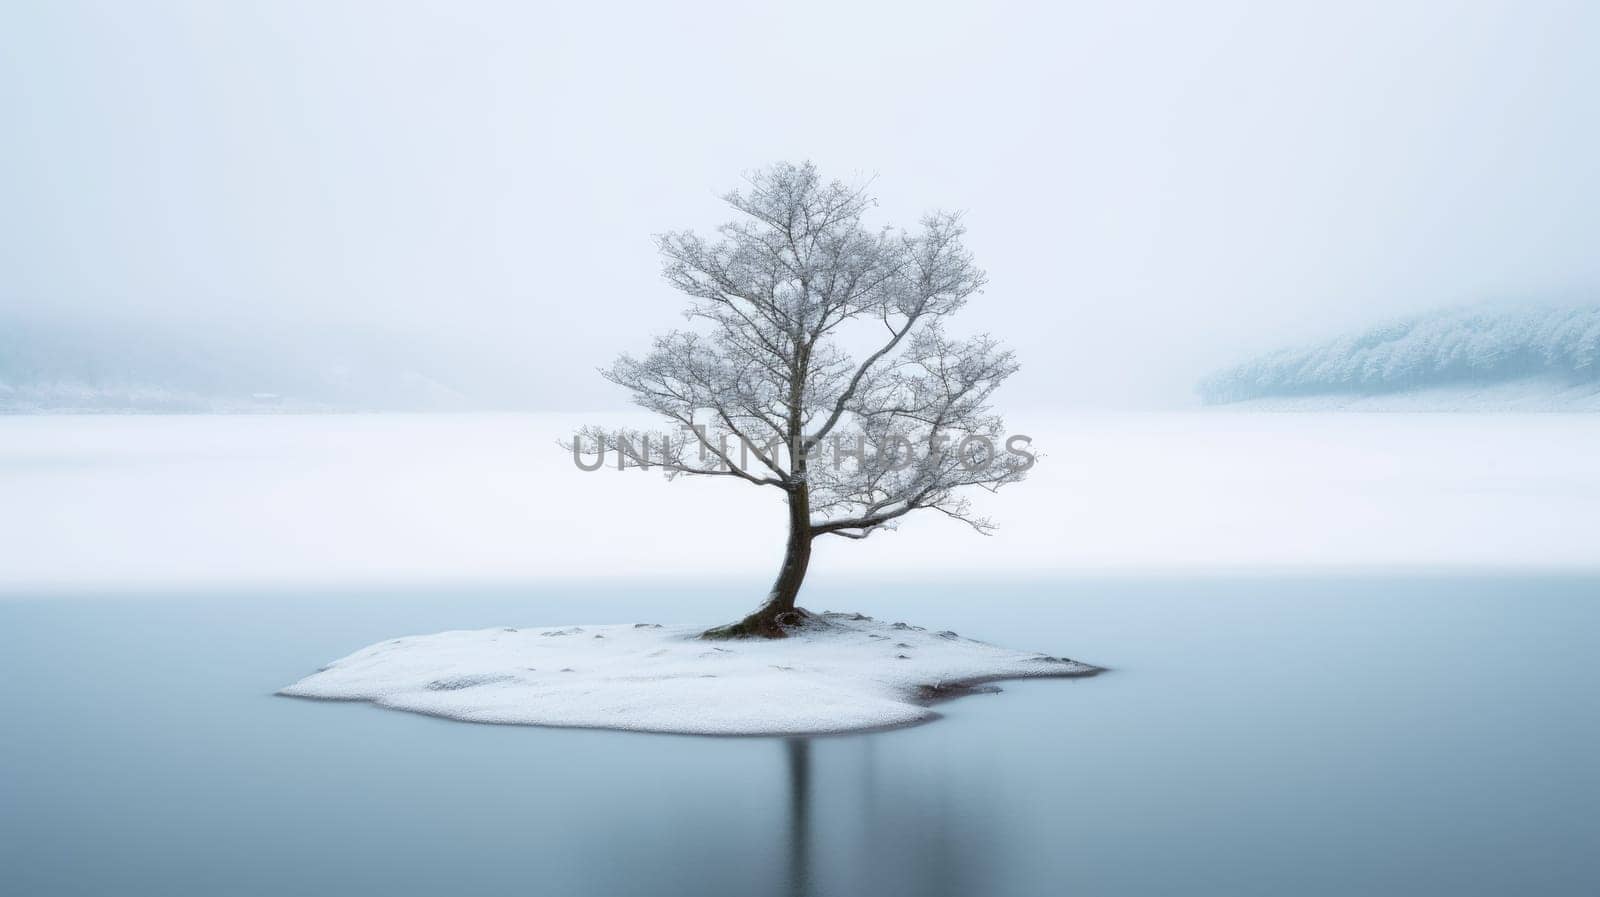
[849, 673]
[139, 503]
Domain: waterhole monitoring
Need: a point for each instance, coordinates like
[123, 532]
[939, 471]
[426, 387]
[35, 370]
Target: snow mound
[846, 672]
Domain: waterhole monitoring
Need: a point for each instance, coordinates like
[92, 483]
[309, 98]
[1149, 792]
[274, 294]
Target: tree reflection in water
[886, 832]
[799, 755]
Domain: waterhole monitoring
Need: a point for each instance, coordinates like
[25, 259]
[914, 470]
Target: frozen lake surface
[1258, 736]
[1339, 720]
[402, 499]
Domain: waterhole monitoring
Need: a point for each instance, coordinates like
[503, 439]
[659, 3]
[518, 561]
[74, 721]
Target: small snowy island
[837, 673]
[783, 295]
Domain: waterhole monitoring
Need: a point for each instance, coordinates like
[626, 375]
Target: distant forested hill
[111, 366]
[1465, 350]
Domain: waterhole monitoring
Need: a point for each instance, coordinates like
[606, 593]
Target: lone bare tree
[853, 442]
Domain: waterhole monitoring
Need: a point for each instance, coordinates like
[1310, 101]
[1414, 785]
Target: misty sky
[1155, 189]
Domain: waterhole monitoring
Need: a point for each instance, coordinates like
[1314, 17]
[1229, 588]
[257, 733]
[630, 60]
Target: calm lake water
[1382, 735]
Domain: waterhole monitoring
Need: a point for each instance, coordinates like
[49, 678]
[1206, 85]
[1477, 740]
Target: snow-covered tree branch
[816, 361]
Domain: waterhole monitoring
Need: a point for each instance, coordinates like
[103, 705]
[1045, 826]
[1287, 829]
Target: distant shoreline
[1531, 394]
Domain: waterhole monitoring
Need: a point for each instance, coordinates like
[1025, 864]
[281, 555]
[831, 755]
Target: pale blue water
[1273, 736]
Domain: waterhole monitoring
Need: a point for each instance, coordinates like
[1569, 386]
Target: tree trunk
[779, 609]
[796, 557]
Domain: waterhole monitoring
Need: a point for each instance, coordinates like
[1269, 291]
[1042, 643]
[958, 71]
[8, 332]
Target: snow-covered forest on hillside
[1557, 346]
